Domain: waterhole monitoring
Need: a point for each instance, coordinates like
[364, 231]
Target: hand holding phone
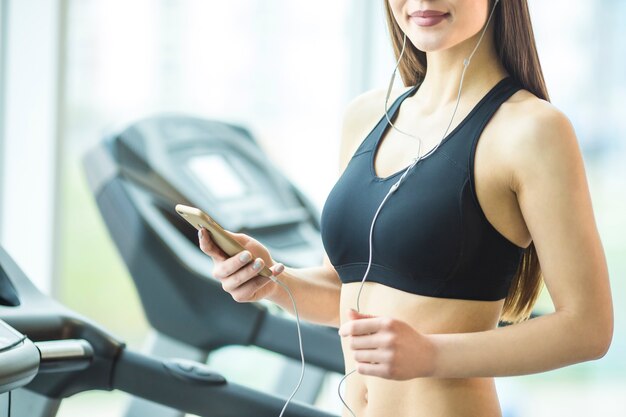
[199, 219]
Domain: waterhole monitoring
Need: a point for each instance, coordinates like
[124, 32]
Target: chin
[428, 42]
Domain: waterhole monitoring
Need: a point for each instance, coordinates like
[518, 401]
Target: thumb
[355, 315]
[241, 238]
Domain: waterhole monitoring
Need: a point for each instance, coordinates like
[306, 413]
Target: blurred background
[72, 70]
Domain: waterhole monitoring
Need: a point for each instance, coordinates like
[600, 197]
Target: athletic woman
[490, 202]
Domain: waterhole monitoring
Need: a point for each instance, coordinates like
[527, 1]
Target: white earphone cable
[396, 185]
[295, 310]
[393, 188]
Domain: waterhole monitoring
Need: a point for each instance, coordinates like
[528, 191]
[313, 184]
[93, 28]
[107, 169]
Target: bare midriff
[371, 396]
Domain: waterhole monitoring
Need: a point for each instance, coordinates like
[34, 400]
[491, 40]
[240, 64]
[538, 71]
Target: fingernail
[200, 234]
[244, 257]
[279, 269]
[256, 265]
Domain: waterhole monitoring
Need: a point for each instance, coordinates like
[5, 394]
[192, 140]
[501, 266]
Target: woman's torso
[376, 397]
[373, 397]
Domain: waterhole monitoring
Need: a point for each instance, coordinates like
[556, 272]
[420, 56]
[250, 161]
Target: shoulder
[371, 102]
[537, 137]
[360, 117]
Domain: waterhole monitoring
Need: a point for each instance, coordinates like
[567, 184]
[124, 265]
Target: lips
[427, 13]
[428, 17]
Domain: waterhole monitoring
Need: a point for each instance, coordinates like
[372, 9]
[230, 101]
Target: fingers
[239, 274]
[364, 326]
[248, 290]
[365, 342]
[372, 356]
[230, 265]
[235, 278]
[244, 284]
[373, 369]
[209, 247]
[355, 315]
[277, 269]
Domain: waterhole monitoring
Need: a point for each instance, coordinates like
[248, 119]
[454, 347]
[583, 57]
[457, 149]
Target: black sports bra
[431, 237]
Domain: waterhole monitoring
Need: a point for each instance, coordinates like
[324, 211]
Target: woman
[469, 237]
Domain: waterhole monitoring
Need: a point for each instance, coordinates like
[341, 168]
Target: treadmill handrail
[196, 398]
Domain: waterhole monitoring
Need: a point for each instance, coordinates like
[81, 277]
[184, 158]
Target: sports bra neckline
[394, 111]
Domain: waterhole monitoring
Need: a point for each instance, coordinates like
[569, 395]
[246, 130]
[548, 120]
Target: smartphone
[198, 219]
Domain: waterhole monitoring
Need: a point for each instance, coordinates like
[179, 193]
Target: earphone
[392, 190]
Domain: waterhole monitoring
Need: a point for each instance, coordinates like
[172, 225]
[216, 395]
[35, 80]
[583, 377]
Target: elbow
[602, 343]
[592, 335]
[600, 339]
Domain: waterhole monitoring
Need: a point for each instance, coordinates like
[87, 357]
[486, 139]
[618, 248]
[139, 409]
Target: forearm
[541, 344]
[316, 296]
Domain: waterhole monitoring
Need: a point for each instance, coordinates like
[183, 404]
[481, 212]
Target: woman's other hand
[388, 348]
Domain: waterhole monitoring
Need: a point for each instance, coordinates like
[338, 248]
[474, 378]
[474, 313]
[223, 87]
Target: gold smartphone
[198, 219]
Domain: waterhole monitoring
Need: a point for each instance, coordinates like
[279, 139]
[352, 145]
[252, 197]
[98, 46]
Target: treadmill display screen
[217, 175]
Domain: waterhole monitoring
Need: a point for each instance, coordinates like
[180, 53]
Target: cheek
[398, 10]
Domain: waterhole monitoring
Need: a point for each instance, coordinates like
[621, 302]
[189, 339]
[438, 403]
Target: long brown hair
[516, 49]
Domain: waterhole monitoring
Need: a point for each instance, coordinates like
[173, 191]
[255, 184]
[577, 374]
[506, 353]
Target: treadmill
[19, 357]
[139, 173]
[48, 353]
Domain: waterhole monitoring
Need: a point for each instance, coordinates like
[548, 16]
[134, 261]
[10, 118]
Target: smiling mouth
[427, 18]
[428, 13]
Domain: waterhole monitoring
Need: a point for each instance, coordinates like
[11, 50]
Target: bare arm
[316, 291]
[550, 182]
[552, 191]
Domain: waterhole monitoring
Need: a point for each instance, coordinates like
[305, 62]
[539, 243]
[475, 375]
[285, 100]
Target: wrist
[273, 293]
[434, 349]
